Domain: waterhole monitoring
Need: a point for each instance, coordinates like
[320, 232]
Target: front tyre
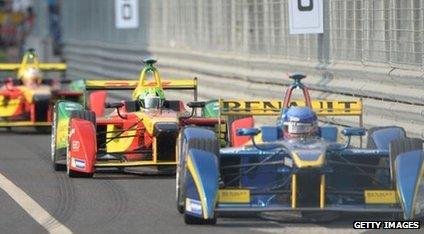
[53, 153]
[192, 220]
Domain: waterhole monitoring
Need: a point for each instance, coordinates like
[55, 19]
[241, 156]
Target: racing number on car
[302, 7]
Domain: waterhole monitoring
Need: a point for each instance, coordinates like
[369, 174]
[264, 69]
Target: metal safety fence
[371, 49]
[389, 32]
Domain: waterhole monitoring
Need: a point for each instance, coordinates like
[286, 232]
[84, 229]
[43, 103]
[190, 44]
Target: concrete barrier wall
[370, 49]
[390, 96]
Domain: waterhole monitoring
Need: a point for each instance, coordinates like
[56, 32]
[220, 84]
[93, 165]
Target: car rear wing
[273, 108]
[41, 66]
[183, 84]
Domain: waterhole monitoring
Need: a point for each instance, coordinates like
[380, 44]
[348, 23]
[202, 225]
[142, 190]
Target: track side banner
[273, 107]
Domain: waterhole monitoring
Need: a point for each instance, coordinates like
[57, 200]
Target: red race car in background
[141, 132]
[27, 99]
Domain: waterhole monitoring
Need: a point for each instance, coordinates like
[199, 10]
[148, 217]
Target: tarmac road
[110, 202]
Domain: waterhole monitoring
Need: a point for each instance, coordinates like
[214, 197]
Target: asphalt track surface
[110, 202]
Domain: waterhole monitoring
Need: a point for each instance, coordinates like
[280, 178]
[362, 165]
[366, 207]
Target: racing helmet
[299, 122]
[31, 76]
[151, 98]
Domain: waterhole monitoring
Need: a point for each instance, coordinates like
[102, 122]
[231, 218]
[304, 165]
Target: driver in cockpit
[299, 122]
[31, 77]
[151, 98]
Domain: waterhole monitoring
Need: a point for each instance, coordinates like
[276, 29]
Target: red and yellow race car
[140, 132]
[27, 100]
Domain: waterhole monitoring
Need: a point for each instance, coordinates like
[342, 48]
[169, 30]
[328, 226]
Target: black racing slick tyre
[42, 130]
[54, 152]
[77, 174]
[405, 145]
[192, 220]
[401, 146]
[206, 144]
[85, 115]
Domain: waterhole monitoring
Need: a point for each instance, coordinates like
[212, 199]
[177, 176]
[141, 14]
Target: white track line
[32, 207]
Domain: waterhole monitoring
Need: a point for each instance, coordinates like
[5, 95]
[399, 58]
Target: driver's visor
[299, 128]
[152, 102]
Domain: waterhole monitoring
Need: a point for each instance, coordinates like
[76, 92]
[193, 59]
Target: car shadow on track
[131, 174]
[344, 222]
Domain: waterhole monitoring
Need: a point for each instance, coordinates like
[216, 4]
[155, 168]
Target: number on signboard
[126, 11]
[308, 7]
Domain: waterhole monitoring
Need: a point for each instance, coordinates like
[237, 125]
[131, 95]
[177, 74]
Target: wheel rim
[53, 138]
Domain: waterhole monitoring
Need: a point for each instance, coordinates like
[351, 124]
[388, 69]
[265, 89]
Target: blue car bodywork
[316, 174]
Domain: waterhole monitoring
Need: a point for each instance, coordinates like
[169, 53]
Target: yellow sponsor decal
[8, 107]
[233, 196]
[273, 107]
[301, 163]
[121, 143]
[380, 197]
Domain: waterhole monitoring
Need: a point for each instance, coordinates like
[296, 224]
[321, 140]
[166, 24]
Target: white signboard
[126, 13]
[306, 16]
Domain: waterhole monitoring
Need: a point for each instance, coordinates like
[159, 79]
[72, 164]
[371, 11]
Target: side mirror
[354, 132]
[149, 61]
[196, 104]
[114, 104]
[297, 75]
[247, 131]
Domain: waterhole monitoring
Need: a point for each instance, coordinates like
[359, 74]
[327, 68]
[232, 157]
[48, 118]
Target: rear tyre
[85, 115]
[405, 145]
[206, 144]
[166, 170]
[371, 144]
[42, 130]
[230, 120]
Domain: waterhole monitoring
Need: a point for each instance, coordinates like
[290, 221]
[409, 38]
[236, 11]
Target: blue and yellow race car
[296, 165]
